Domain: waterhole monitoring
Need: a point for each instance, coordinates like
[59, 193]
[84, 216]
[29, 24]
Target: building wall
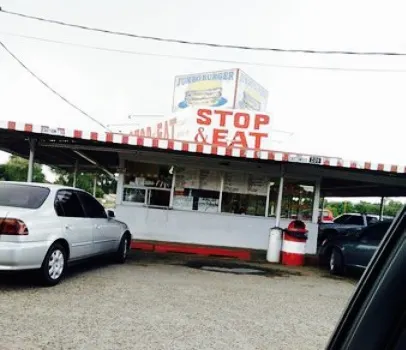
[220, 229]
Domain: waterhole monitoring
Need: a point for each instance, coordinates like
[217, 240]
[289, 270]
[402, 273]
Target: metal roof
[62, 148]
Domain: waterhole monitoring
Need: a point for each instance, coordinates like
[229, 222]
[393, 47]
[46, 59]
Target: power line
[50, 88]
[200, 59]
[200, 43]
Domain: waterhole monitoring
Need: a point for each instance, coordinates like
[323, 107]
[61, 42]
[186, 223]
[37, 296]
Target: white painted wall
[228, 230]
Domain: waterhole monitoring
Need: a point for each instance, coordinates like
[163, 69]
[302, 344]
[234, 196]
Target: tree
[84, 181]
[337, 208]
[16, 169]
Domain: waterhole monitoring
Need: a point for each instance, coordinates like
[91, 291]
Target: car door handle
[98, 227]
[68, 227]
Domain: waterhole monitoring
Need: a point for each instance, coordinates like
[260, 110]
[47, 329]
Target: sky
[357, 115]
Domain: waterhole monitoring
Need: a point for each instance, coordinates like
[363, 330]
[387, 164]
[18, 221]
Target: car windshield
[22, 196]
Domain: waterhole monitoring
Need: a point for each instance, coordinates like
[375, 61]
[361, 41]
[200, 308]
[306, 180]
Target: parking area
[162, 303]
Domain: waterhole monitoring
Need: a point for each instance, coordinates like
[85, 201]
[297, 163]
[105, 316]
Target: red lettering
[204, 115]
[258, 136]
[219, 137]
[172, 123]
[166, 130]
[239, 140]
[245, 120]
[159, 131]
[148, 131]
[223, 116]
[261, 119]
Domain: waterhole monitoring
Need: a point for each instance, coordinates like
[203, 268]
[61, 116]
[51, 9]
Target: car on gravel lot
[353, 250]
[46, 227]
[349, 222]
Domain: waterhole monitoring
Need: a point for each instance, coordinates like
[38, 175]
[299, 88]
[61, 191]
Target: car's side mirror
[110, 214]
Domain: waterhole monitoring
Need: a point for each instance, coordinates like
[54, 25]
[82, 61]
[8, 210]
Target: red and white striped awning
[193, 147]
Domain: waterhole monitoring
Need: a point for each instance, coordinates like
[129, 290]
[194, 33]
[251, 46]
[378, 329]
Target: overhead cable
[201, 59]
[51, 89]
[201, 43]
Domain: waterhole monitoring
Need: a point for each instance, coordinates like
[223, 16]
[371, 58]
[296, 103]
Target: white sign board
[250, 95]
[213, 89]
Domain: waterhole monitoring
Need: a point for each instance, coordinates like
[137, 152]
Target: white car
[45, 227]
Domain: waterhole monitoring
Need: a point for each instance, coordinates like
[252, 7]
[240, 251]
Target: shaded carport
[94, 151]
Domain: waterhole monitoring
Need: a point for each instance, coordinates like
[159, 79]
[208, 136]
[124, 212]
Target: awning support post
[381, 208]
[32, 143]
[75, 173]
[316, 202]
[94, 185]
[279, 200]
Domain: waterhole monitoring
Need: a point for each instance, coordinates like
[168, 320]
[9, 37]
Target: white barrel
[275, 245]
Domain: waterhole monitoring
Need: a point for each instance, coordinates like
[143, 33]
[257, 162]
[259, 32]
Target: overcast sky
[352, 114]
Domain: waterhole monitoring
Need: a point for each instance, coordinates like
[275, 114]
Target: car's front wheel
[336, 262]
[54, 265]
[122, 252]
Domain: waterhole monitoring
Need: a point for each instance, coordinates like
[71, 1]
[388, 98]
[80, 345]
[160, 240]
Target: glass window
[147, 175]
[355, 220]
[67, 204]
[92, 207]
[197, 190]
[148, 184]
[22, 196]
[244, 194]
[134, 195]
[297, 200]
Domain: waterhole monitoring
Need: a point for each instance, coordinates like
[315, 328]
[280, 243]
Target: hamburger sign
[228, 89]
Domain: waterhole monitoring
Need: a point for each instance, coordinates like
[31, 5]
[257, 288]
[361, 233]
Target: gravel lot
[147, 304]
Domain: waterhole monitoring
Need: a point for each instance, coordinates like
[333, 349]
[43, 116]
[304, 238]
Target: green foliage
[16, 169]
[337, 208]
[105, 184]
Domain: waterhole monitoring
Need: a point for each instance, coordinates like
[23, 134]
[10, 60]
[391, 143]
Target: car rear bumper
[16, 256]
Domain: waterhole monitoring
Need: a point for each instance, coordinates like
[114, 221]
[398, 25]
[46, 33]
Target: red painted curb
[192, 249]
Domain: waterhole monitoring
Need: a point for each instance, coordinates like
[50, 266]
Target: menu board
[235, 183]
[257, 185]
[187, 178]
[210, 180]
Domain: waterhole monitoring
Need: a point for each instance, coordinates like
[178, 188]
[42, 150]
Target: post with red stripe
[294, 244]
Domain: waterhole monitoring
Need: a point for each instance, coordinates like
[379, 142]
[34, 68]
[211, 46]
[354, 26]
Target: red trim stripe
[367, 165]
[155, 143]
[394, 168]
[381, 167]
[11, 125]
[28, 127]
[185, 147]
[109, 137]
[124, 139]
[77, 134]
[271, 155]
[140, 141]
[94, 136]
[171, 144]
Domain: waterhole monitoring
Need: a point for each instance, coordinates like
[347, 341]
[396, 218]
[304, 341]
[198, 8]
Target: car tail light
[14, 227]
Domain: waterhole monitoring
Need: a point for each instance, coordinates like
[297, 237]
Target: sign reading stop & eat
[232, 128]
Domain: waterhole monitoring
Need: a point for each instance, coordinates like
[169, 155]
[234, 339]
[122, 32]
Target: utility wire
[200, 59]
[51, 89]
[200, 43]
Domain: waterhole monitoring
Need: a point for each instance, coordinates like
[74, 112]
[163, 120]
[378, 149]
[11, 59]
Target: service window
[67, 204]
[244, 194]
[197, 190]
[93, 208]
